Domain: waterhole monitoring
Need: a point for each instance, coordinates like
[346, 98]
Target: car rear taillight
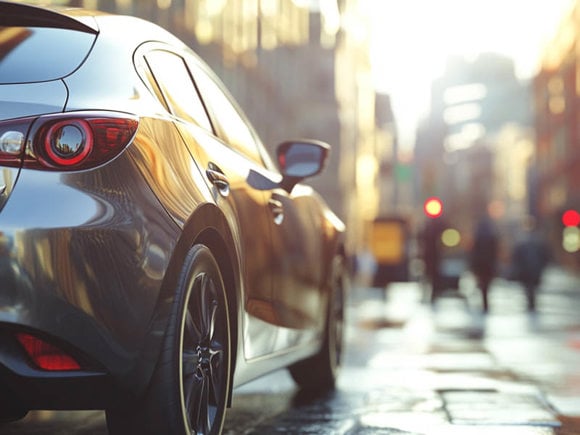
[45, 355]
[66, 142]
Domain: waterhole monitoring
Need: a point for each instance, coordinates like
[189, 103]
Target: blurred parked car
[152, 256]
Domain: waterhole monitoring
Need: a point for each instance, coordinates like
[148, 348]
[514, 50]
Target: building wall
[557, 122]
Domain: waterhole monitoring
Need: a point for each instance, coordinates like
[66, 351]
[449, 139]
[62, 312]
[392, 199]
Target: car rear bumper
[105, 371]
[27, 387]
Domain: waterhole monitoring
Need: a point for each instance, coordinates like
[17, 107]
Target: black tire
[188, 393]
[319, 372]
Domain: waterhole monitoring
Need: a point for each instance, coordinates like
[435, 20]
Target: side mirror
[300, 159]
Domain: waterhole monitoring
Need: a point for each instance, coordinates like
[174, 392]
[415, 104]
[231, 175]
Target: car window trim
[152, 83]
[265, 158]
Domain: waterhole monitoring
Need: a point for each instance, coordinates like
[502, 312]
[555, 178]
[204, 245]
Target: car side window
[173, 79]
[227, 117]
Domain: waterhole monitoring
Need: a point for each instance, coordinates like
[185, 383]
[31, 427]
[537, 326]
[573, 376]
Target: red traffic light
[571, 218]
[433, 207]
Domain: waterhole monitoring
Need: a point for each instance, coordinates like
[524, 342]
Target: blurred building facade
[391, 171]
[557, 123]
[298, 68]
[474, 148]
[356, 99]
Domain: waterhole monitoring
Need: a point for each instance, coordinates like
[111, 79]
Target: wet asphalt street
[415, 369]
[411, 368]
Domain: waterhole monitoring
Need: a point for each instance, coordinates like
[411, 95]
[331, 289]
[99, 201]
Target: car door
[297, 246]
[294, 265]
[226, 170]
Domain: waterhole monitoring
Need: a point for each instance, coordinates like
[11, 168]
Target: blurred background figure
[529, 259]
[432, 256]
[484, 253]
[365, 268]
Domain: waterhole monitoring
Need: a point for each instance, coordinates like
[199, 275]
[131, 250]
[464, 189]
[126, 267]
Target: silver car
[152, 255]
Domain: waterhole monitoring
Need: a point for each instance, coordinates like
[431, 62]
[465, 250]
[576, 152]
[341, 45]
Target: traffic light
[571, 233]
[571, 218]
[433, 207]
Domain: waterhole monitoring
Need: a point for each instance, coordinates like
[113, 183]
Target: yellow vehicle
[389, 244]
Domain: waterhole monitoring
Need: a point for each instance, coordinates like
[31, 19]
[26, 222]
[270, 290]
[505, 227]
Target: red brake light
[45, 355]
[80, 140]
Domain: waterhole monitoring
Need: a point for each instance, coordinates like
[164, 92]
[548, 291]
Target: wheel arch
[207, 226]
[229, 268]
[210, 228]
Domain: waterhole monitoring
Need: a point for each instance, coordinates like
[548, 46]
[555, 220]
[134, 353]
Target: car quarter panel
[86, 254]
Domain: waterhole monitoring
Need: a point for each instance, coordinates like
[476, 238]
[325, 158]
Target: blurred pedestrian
[530, 257]
[431, 247]
[365, 268]
[484, 253]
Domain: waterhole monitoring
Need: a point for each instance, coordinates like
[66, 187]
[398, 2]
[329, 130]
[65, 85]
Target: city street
[414, 369]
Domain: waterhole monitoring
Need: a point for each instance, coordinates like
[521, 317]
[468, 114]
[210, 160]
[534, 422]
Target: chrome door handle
[218, 179]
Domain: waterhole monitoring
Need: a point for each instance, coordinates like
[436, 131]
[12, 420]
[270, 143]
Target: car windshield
[36, 54]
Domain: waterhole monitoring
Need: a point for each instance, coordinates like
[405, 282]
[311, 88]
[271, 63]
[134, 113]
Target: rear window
[37, 54]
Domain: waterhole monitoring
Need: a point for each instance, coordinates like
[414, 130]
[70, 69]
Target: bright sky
[412, 39]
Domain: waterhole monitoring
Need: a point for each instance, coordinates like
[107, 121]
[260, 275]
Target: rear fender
[207, 226]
